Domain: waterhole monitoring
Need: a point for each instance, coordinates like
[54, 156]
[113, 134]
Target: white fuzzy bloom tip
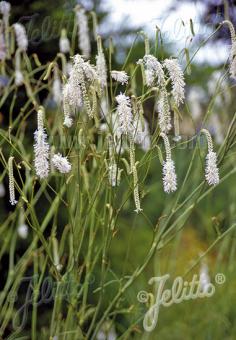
[125, 115]
[41, 151]
[169, 176]
[177, 79]
[5, 8]
[120, 76]
[153, 70]
[61, 163]
[21, 37]
[212, 171]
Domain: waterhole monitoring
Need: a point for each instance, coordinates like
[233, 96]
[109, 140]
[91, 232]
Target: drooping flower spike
[154, 74]
[125, 115]
[120, 76]
[61, 163]
[169, 175]
[211, 169]
[11, 182]
[177, 79]
[75, 93]
[232, 56]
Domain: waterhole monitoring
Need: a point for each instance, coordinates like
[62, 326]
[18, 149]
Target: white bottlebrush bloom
[125, 115]
[154, 73]
[169, 174]
[212, 171]
[41, 152]
[41, 148]
[75, 93]
[101, 69]
[21, 37]
[5, 8]
[83, 30]
[61, 163]
[23, 231]
[120, 76]
[64, 43]
[177, 79]
[11, 182]
[163, 109]
[232, 69]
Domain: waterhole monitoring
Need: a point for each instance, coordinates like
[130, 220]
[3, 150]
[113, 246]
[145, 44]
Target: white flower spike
[177, 79]
[154, 73]
[169, 174]
[21, 37]
[120, 76]
[41, 148]
[61, 163]
[211, 169]
[125, 115]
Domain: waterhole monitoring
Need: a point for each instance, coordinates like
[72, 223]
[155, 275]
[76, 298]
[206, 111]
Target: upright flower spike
[41, 148]
[125, 115]
[61, 163]
[83, 31]
[101, 64]
[5, 8]
[64, 43]
[169, 175]
[21, 37]
[154, 73]
[177, 79]
[11, 182]
[120, 76]
[163, 109]
[232, 56]
[211, 169]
